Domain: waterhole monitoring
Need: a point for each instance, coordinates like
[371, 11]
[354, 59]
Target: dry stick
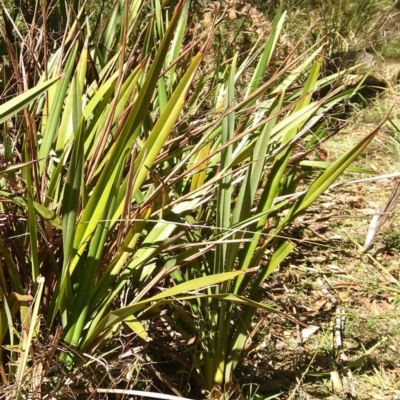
[8, 17]
[379, 219]
[372, 229]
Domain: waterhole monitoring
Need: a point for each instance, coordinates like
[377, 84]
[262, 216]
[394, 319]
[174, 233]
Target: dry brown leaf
[319, 305]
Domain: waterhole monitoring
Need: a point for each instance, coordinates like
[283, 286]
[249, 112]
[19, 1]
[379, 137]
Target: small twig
[372, 229]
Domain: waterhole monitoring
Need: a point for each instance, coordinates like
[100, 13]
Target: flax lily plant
[141, 180]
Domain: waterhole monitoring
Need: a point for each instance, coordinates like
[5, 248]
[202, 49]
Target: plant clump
[153, 177]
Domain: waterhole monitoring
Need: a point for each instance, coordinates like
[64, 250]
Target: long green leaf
[11, 107]
[325, 180]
